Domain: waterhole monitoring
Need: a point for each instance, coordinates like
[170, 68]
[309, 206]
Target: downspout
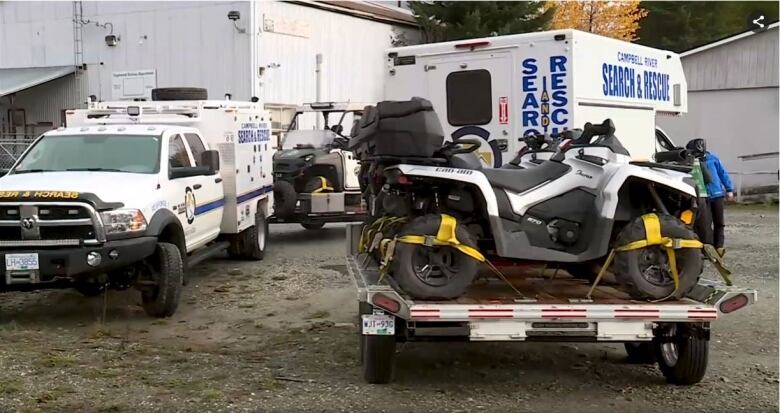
[318, 72]
[253, 74]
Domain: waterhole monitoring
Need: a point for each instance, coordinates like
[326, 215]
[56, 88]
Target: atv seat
[521, 180]
[511, 166]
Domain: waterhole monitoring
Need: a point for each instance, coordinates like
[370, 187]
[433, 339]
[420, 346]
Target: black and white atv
[315, 177]
[570, 210]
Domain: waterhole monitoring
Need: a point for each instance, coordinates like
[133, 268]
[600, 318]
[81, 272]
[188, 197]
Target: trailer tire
[163, 300]
[180, 93]
[250, 243]
[682, 351]
[631, 267]
[377, 357]
[640, 352]
[459, 269]
[285, 199]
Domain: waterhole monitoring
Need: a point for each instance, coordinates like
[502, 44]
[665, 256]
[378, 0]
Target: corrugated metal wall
[748, 62]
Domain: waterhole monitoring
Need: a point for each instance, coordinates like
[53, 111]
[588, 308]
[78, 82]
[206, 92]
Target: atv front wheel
[433, 272]
[645, 273]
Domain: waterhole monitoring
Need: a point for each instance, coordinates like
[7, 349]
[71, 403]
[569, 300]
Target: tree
[618, 19]
[456, 20]
[684, 25]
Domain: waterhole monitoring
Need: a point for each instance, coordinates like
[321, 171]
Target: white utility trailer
[539, 306]
[502, 88]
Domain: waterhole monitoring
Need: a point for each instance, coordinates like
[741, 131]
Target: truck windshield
[112, 153]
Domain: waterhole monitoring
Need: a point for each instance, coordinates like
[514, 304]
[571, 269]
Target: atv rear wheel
[285, 199]
[433, 272]
[645, 273]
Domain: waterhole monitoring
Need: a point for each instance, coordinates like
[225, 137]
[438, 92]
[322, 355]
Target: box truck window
[469, 98]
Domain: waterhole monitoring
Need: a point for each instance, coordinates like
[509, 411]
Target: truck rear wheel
[645, 273]
[682, 351]
[250, 243]
[163, 299]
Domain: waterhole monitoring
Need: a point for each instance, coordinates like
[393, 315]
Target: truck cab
[132, 194]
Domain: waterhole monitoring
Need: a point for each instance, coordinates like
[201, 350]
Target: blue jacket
[719, 178]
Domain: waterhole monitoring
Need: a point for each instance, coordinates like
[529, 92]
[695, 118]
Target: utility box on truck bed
[502, 88]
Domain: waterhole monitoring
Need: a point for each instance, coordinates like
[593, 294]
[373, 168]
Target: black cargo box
[397, 128]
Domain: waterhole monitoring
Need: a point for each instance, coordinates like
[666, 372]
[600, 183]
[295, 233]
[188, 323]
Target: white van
[502, 88]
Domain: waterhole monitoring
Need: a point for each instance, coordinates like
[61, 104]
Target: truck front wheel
[682, 351]
[163, 298]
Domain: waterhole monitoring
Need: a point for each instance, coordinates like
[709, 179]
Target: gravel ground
[279, 336]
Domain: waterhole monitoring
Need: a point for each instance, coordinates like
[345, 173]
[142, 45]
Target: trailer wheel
[640, 352]
[180, 93]
[285, 199]
[250, 243]
[645, 273]
[682, 351]
[163, 299]
[377, 357]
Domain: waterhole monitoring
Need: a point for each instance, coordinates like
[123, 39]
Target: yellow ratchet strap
[445, 237]
[653, 237]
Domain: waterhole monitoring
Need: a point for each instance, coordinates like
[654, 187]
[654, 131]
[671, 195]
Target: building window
[469, 98]
[196, 146]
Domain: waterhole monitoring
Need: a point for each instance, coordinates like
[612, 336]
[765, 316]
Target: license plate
[378, 325]
[21, 262]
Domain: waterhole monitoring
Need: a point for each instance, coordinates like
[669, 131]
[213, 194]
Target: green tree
[684, 25]
[456, 20]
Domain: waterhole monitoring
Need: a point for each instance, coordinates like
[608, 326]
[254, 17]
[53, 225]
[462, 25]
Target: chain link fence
[11, 148]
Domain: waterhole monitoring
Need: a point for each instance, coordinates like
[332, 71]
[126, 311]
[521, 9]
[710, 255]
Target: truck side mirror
[210, 160]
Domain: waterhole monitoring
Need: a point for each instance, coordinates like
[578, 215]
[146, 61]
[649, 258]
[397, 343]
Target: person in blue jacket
[719, 188]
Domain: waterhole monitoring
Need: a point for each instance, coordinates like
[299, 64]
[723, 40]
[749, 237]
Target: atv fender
[469, 176]
[668, 178]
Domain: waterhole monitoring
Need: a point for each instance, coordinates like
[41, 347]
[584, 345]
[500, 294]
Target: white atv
[570, 210]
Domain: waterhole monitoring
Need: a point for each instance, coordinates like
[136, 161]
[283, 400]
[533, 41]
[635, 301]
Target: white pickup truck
[130, 194]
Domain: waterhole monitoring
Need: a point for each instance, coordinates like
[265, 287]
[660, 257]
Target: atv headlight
[122, 221]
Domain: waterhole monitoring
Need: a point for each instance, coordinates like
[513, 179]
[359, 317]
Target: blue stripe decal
[209, 206]
[254, 194]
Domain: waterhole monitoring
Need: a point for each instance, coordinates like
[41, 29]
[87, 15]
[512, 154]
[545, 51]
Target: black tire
[634, 269]
[583, 271]
[377, 357]
[163, 299]
[285, 199]
[251, 243]
[89, 288]
[640, 352]
[313, 226]
[453, 276]
[686, 364]
[180, 93]
[316, 183]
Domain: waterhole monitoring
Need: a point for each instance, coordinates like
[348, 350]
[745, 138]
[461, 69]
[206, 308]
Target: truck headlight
[123, 221]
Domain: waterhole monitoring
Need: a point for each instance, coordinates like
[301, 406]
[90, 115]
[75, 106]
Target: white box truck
[502, 88]
[131, 194]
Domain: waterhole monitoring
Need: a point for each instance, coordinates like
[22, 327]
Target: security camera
[234, 15]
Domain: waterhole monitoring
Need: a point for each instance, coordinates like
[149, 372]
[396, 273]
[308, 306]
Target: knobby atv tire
[179, 93]
[627, 267]
[692, 355]
[640, 352]
[163, 299]
[285, 199]
[403, 263]
[250, 243]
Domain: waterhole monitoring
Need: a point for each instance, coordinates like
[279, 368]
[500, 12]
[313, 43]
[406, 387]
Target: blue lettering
[529, 66]
[528, 84]
[530, 118]
[605, 82]
[559, 98]
[557, 63]
[555, 116]
[557, 81]
[530, 101]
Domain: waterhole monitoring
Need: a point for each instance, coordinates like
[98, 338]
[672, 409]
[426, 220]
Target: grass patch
[58, 361]
[10, 386]
[211, 395]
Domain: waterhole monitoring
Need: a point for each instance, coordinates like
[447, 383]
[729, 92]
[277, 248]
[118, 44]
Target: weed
[317, 314]
[211, 395]
[58, 361]
[10, 386]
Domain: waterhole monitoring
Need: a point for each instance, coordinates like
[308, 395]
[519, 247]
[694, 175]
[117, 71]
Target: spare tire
[285, 199]
[180, 93]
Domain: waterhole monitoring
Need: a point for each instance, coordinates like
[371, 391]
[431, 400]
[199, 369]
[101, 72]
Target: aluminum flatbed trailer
[674, 334]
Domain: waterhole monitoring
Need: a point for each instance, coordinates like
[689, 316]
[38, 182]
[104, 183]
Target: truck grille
[46, 222]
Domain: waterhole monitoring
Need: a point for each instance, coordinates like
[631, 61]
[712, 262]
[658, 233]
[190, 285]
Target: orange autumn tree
[617, 19]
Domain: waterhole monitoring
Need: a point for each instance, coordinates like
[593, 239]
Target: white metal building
[54, 54]
[733, 104]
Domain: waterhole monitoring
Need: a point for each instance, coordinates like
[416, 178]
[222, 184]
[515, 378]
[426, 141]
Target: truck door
[473, 93]
[209, 194]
